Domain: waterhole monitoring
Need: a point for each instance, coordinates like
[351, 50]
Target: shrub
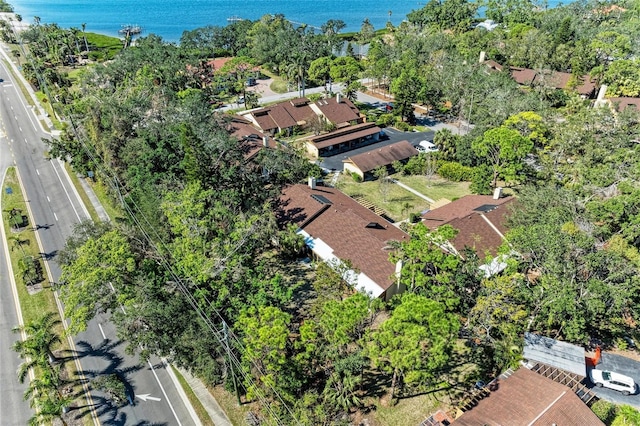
[414, 217]
[604, 410]
[356, 177]
[385, 120]
[402, 126]
[455, 172]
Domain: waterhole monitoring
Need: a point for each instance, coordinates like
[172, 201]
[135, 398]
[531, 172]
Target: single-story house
[251, 141]
[338, 110]
[336, 228]
[481, 224]
[344, 139]
[281, 117]
[363, 164]
[528, 398]
[622, 103]
[553, 79]
[481, 220]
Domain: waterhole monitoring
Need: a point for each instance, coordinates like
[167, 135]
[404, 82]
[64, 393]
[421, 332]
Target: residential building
[344, 139]
[586, 87]
[363, 164]
[282, 117]
[480, 220]
[336, 229]
[528, 398]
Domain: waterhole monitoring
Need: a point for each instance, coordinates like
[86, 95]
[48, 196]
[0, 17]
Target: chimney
[265, 141]
[312, 182]
[497, 193]
[602, 92]
[483, 55]
[338, 98]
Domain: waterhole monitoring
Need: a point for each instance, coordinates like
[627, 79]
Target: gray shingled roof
[557, 354]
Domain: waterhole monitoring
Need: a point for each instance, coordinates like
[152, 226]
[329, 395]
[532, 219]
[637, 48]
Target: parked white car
[612, 380]
[426, 146]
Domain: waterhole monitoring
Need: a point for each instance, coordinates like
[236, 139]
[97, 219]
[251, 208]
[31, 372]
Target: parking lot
[622, 365]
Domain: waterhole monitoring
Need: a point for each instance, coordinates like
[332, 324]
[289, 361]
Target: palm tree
[84, 36]
[48, 409]
[40, 337]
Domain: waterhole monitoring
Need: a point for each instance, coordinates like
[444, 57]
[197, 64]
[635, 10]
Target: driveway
[391, 135]
[622, 365]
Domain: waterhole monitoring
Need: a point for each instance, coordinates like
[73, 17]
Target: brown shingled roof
[284, 114]
[343, 226]
[555, 79]
[623, 103]
[345, 134]
[528, 398]
[338, 113]
[384, 156]
[479, 218]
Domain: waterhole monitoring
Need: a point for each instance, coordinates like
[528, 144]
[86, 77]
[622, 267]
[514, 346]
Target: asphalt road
[55, 208]
[14, 411]
[623, 365]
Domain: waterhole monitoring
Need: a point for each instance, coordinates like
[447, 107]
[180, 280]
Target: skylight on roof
[485, 208]
[321, 199]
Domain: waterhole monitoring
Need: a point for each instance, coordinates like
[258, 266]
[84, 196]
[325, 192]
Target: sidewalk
[209, 403]
[216, 413]
[413, 191]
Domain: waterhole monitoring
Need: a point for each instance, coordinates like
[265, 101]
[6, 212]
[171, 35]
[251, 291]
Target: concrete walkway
[209, 403]
[413, 191]
[102, 214]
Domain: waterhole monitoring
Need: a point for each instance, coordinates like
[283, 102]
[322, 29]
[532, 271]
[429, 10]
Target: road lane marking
[48, 199]
[38, 172]
[102, 331]
[25, 140]
[66, 192]
[146, 396]
[55, 215]
[20, 128]
[153, 370]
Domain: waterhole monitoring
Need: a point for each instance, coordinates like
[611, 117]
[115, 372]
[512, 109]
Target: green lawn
[408, 411]
[396, 200]
[436, 188]
[237, 413]
[33, 306]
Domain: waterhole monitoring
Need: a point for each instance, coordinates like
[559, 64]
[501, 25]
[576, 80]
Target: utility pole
[225, 331]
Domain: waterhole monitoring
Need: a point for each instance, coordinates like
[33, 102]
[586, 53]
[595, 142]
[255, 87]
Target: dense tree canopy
[197, 248]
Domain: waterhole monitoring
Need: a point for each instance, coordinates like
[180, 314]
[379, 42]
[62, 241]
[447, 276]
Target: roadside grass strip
[38, 299]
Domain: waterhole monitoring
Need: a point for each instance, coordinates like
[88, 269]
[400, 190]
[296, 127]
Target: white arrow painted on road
[146, 397]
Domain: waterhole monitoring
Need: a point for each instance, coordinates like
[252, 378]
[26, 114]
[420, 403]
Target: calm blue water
[169, 18]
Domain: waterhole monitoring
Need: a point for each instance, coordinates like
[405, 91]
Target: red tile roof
[479, 218]
[342, 225]
[384, 156]
[528, 398]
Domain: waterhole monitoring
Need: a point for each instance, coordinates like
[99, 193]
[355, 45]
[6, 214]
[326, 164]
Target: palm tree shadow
[103, 405]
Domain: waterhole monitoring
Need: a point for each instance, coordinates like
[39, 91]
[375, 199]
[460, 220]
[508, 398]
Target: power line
[142, 225]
